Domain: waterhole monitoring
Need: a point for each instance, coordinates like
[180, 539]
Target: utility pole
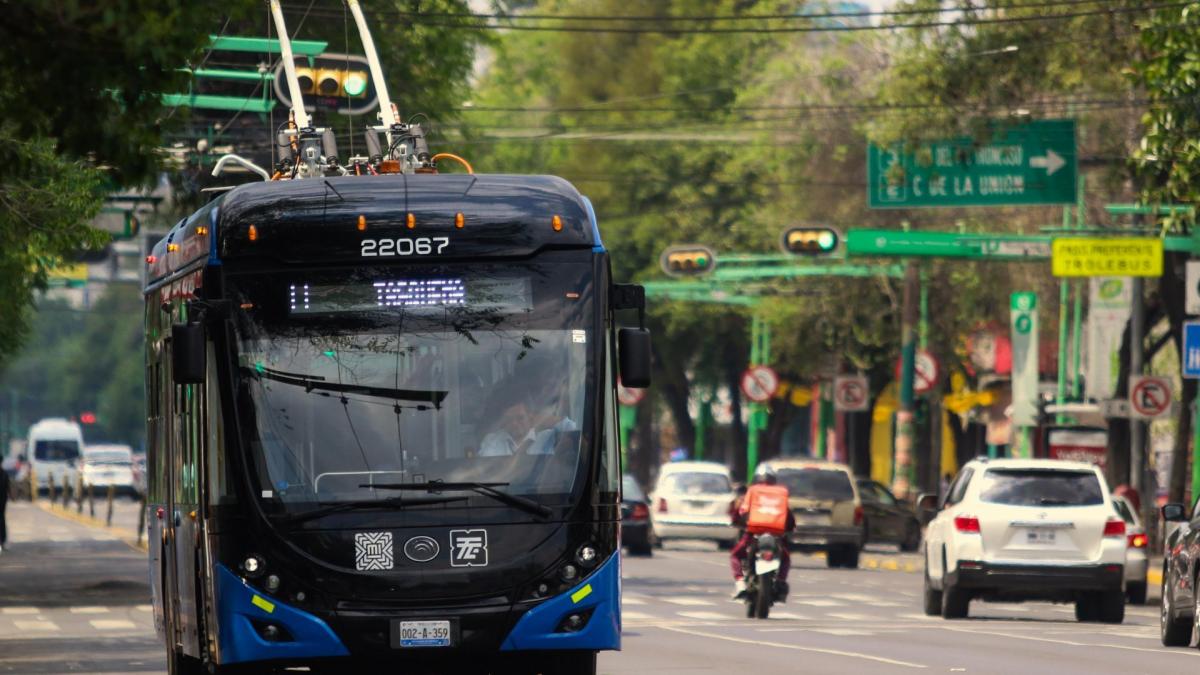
[901, 480]
[1137, 428]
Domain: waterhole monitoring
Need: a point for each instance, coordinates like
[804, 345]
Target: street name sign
[1030, 163]
[1106, 257]
[1149, 397]
[1191, 349]
[759, 383]
[1015, 247]
[851, 393]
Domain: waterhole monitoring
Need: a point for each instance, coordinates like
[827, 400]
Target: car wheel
[1111, 606]
[1087, 607]
[933, 598]
[641, 549]
[1172, 631]
[955, 603]
[850, 557]
[1136, 593]
[912, 537]
[833, 557]
[725, 545]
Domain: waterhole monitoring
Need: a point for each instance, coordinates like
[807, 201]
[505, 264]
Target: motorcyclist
[765, 476]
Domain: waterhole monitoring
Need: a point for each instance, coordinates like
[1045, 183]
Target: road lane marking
[636, 616]
[632, 601]
[1070, 643]
[693, 559]
[112, 624]
[799, 648]
[144, 608]
[817, 602]
[706, 616]
[841, 632]
[853, 597]
[19, 610]
[35, 625]
[788, 615]
[847, 616]
[690, 602]
[88, 610]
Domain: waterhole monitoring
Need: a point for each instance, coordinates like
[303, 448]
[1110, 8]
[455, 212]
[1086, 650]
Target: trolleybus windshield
[434, 373]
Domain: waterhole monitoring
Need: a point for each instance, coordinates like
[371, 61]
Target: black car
[888, 520]
[636, 533]
[1181, 556]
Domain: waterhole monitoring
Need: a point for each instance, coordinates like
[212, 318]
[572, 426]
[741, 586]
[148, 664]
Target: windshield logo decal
[421, 549]
[373, 551]
[468, 548]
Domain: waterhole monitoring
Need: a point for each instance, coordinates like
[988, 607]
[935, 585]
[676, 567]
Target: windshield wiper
[486, 489]
[340, 507]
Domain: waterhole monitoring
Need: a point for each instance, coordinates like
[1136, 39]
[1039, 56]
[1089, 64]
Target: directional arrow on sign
[1051, 162]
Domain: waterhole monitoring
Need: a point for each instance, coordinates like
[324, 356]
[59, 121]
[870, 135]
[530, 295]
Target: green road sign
[1031, 163]
[1014, 247]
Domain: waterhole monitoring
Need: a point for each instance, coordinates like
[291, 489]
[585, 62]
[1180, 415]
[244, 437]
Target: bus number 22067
[390, 247]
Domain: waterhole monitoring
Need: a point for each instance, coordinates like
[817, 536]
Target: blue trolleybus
[382, 426]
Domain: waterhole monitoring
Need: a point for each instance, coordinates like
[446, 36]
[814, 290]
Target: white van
[54, 449]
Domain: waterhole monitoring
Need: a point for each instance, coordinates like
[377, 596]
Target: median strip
[130, 538]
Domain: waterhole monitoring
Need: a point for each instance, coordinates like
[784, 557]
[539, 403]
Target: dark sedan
[636, 533]
[1181, 556]
[888, 520]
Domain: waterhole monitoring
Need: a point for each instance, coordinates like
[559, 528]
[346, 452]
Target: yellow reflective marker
[581, 594]
[264, 604]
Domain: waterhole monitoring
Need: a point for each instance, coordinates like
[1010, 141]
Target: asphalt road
[73, 599]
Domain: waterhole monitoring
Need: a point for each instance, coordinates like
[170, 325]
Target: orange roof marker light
[252, 233]
[362, 223]
[171, 248]
[150, 259]
[459, 221]
[556, 223]
[410, 221]
[201, 230]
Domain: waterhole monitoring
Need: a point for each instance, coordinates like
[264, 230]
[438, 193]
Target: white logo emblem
[421, 549]
[468, 548]
[373, 551]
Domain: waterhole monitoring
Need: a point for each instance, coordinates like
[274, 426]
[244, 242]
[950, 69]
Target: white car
[1027, 529]
[107, 465]
[691, 500]
[1136, 562]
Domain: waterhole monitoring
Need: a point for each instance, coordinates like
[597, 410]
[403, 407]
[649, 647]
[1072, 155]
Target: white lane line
[854, 597]
[632, 601]
[636, 616]
[816, 602]
[707, 616]
[919, 617]
[144, 608]
[112, 624]
[799, 648]
[60, 538]
[843, 632]
[1070, 643]
[848, 616]
[19, 610]
[693, 559]
[88, 610]
[690, 602]
[35, 625]
[788, 615]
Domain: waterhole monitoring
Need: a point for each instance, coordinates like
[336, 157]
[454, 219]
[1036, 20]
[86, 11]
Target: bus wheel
[569, 663]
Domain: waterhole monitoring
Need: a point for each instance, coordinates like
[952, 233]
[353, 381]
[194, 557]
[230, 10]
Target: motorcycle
[763, 559]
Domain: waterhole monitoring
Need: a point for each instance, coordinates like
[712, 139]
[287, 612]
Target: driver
[528, 422]
[758, 517]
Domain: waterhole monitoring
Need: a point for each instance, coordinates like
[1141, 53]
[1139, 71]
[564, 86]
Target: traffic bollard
[92, 500]
[66, 493]
[112, 490]
[50, 487]
[33, 495]
[141, 518]
[79, 494]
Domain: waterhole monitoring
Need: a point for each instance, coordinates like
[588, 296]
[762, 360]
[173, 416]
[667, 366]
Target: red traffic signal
[87, 418]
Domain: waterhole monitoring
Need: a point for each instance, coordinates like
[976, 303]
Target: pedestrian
[3, 506]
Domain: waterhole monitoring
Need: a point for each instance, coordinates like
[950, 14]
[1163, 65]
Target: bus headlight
[272, 583]
[254, 566]
[586, 555]
[570, 573]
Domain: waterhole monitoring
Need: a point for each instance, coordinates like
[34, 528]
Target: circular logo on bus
[421, 549]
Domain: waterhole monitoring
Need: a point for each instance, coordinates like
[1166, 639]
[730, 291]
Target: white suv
[1027, 529]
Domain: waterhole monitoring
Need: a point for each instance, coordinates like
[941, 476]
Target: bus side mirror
[1174, 513]
[188, 353]
[633, 353]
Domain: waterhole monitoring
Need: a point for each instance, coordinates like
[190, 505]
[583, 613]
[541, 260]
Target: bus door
[185, 515]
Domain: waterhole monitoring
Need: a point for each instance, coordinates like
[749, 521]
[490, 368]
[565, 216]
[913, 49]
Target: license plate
[1040, 537]
[412, 634]
[812, 519]
[763, 566]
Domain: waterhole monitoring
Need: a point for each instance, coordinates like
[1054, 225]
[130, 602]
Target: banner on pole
[1109, 305]
[1025, 359]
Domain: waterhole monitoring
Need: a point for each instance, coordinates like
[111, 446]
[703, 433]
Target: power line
[966, 21]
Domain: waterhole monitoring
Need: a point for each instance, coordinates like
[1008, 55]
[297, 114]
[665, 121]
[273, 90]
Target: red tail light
[639, 512]
[1114, 528]
[968, 524]
[858, 515]
[767, 555]
[662, 505]
[1138, 541]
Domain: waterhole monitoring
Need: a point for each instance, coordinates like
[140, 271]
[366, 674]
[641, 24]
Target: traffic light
[690, 260]
[87, 418]
[330, 82]
[810, 241]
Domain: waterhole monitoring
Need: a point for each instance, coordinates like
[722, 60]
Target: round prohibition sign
[850, 395]
[629, 397]
[759, 383]
[1150, 397]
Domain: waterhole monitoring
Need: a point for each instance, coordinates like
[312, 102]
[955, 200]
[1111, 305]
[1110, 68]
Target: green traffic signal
[354, 84]
[689, 260]
[810, 241]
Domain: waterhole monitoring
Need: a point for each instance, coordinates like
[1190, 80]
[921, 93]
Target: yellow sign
[1107, 257]
[70, 272]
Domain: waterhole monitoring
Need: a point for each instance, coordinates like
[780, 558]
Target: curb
[889, 564]
[127, 537]
[1154, 576]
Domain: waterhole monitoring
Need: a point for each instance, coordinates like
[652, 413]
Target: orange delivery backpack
[766, 509]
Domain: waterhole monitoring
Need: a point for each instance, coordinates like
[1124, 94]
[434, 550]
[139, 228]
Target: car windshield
[631, 491]
[1041, 488]
[823, 484]
[56, 450]
[441, 375]
[697, 483]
